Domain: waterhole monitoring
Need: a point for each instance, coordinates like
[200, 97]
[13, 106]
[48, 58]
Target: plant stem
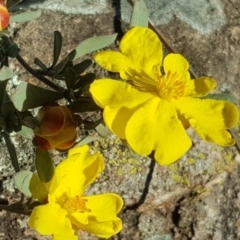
[39, 76]
[14, 209]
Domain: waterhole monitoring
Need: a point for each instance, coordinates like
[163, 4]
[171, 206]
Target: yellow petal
[116, 62]
[76, 172]
[200, 87]
[51, 219]
[116, 119]
[155, 126]
[64, 236]
[141, 51]
[144, 48]
[113, 93]
[102, 220]
[119, 100]
[176, 63]
[210, 118]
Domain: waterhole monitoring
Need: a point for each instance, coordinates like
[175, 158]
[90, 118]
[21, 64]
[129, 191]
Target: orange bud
[57, 128]
[4, 14]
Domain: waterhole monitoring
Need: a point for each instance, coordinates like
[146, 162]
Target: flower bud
[57, 128]
[4, 15]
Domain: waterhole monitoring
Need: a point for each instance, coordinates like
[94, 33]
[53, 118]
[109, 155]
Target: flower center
[170, 86]
[76, 204]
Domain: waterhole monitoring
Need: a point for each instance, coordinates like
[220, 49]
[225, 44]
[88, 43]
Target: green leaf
[56, 48]
[86, 140]
[70, 78]
[92, 125]
[29, 96]
[3, 85]
[82, 66]
[26, 16]
[13, 50]
[44, 165]
[26, 132]
[39, 63]
[7, 108]
[222, 96]
[63, 65]
[139, 14]
[11, 3]
[103, 131]
[22, 181]
[30, 185]
[12, 151]
[83, 105]
[3, 123]
[30, 122]
[94, 44]
[71, 55]
[5, 73]
[84, 80]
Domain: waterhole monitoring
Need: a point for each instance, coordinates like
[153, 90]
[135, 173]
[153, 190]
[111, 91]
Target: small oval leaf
[57, 47]
[222, 96]
[94, 44]
[30, 185]
[22, 181]
[39, 63]
[82, 66]
[5, 73]
[139, 14]
[44, 165]
[29, 96]
[84, 80]
[70, 78]
[26, 16]
[83, 105]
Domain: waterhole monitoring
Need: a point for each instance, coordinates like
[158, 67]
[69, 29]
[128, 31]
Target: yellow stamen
[76, 204]
[170, 86]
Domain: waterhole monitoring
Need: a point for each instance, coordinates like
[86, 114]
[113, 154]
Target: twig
[14, 210]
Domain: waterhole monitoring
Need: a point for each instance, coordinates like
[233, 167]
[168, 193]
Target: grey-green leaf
[94, 44]
[5, 73]
[103, 131]
[222, 96]
[26, 132]
[22, 181]
[26, 16]
[139, 14]
[44, 165]
[30, 185]
[29, 96]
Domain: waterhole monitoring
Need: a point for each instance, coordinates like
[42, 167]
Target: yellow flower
[158, 101]
[68, 209]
